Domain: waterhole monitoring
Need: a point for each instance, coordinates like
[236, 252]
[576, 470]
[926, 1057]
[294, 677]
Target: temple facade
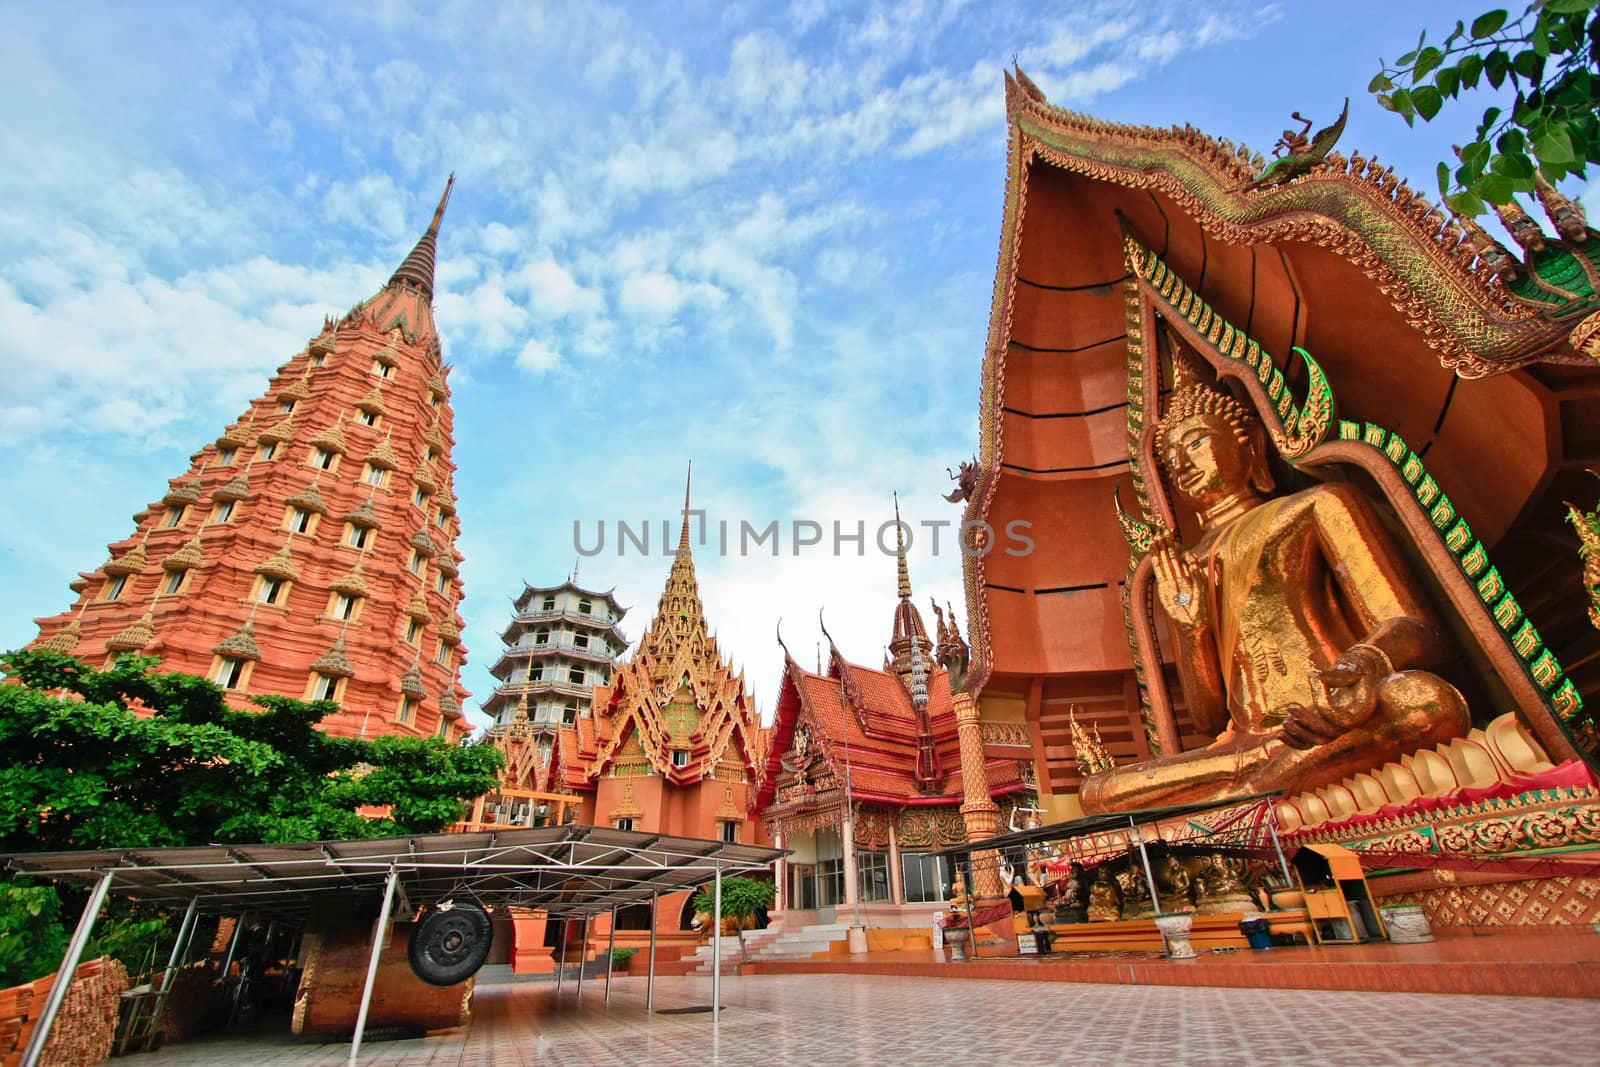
[309, 551]
[1295, 446]
[866, 778]
[671, 742]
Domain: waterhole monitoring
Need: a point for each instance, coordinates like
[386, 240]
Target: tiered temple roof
[244, 571]
[891, 733]
[676, 709]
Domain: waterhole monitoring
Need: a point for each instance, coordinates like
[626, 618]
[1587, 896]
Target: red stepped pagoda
[309, 551]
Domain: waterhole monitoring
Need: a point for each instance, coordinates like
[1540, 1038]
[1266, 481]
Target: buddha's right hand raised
[1180, 583]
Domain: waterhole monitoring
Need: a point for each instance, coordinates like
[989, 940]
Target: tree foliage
[741, 898]
[83, 770]
[1550, 58]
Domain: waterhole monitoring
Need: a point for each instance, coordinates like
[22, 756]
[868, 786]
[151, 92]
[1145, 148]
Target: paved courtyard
[837, 1019]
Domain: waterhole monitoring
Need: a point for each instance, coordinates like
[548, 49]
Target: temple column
[897, 889]
[978, 810]
[780, 873]
[852, 890]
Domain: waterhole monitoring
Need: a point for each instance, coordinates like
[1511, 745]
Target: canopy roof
[563, 870]
[1237, 824]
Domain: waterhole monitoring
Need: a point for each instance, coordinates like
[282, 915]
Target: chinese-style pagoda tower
[562, 642]
[309, 551]
[674, 741]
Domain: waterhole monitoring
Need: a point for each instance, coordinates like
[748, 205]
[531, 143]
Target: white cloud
[652, 295]
[553, 291]
[537, 357]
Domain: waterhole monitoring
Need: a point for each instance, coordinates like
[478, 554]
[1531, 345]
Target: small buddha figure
[1218, 889]
[1071, 899]
[1136, 902]
[958, 895]
[1174, 883]
[1105, 899]
[1301, 639]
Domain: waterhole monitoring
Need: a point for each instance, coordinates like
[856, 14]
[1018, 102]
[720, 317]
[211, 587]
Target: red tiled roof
[864, 718]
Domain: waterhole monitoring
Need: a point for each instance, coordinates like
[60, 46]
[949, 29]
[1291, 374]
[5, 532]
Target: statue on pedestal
[1301, 639]
[1174, 884]
[1105, 899]
[1218, 889]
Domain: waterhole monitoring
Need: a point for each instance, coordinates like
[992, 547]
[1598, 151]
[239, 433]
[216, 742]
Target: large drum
[335, 958]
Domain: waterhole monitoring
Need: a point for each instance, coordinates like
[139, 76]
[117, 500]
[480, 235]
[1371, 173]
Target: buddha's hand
[1180, 584]
[1348, 698]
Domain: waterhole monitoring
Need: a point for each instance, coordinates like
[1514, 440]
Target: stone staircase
[803, 943]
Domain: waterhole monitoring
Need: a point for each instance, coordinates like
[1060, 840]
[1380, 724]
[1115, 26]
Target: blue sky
[761, 236]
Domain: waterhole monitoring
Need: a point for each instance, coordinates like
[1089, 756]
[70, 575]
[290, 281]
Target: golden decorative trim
[186, 558]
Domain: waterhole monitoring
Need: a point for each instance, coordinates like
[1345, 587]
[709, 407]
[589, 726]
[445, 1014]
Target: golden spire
[683, 538]
[900, 550]
[1089, 752]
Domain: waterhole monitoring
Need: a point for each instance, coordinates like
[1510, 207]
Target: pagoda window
[368, 418]
[569, 714]
[324, 460]
[417, 559]
[586, 607]
[319, 359]
[223, 512]
[272, 590]
[420, 497]
[441, 582]
[357, 536]
[408, 711]
[230, 672]
[382, 369]
[226, 456]
[625, 824]
[413, 631]
[541, 636]
[326, 687]
[680, 758]
[174, 582]
[301, 521]
[267, 451]
[442, 518]
[286, 407]
[534, 673]
[375, 476]
[872, 875]
[575, 675]
[730, 832]
[580, 640]
[114, 587]
[443, 653]
[175, 515]
[444, 727]
[925, 878]
[344, 607]
[549, 604]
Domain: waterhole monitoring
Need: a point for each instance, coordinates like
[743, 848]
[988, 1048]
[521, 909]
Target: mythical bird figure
[966, 480]
[1297, 152]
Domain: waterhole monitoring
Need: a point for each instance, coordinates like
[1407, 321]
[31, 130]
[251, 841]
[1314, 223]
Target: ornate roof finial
[1090, 752]
[417, 269]
[683, 538]
[900, 550]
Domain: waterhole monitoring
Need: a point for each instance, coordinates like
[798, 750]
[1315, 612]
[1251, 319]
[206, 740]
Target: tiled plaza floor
[837, 1019]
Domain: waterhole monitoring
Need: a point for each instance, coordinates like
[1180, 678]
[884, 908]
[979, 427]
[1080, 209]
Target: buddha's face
[1205, 461]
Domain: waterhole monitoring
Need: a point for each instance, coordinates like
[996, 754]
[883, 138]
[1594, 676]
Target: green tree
[83, 770]
[1549, 56]
[741, 899]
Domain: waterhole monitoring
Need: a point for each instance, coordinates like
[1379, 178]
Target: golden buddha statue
[1105, 898]
[1301, 638]
[1174, 884]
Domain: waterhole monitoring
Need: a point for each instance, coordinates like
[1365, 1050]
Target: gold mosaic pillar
[978, 809]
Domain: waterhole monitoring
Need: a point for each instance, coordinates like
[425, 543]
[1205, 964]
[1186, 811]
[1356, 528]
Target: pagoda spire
[417, 268]
[683, 537]
[900, 550]
[910, 650]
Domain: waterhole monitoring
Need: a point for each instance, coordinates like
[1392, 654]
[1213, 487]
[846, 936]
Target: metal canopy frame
[565, 871]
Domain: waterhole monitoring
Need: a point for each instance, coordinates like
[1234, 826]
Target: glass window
[730, 831]
[356, 536]
[680, 758]
[872, 875]
[375, 475]
[802, 887]
[322, 459]
[230, 672]
[326, 687]
[830, 882]
[267, 451]
[413, 631]
[225, 457]
[175, 515]
[624, 824]
[586, 607]
[344, 606]
[115, 586]
[580, 640]
[300, 521]
[223, 512]
[575, 675]
[174, 583]
[541, 637]
[368, 418]
[549, 604]
[286, 407]
[408, 710]
[926, 878]
[271, 590]
[416, 560]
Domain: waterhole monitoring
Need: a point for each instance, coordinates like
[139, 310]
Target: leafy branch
[1549, 56]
